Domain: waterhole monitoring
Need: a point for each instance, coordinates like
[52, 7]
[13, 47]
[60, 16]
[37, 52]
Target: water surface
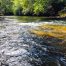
[20, 47]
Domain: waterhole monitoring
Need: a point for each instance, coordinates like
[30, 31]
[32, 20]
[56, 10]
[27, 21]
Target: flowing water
[19, 47]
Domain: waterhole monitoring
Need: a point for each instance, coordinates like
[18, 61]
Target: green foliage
[33, 7]
[16, 7]
[5, 6]
[22, 6]
[27, 6]
[40, 6]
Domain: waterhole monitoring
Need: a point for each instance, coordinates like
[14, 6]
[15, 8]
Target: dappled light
[32, 32]
[52, 34]
[33, 42]
[58, 31]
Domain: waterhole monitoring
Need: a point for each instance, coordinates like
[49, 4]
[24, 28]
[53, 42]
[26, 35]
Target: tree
[6, 6]
[40, 6]
[32, 7]
[27, 6]
[16, 7]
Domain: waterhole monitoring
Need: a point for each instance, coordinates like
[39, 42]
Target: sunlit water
[18, 47]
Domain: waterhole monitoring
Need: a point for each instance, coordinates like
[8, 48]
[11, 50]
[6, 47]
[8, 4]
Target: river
[20, 47]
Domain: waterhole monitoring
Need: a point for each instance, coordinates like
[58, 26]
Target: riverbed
[19, 46]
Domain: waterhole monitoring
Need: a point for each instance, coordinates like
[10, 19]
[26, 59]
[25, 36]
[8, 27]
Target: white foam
[16, 52]
[35, 24]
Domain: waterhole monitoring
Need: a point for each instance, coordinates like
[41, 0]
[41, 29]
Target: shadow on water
[45, 54]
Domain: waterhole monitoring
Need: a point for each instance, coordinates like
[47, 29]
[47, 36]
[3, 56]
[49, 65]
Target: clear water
[18, 47]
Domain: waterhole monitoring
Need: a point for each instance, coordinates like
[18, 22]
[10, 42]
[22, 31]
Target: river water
[19, 47]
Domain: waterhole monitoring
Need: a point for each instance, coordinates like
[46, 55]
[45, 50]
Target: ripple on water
[20, 48]
[16, 52]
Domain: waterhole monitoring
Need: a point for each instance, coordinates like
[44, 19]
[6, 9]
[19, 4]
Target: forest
[33, 7]
[32, 32]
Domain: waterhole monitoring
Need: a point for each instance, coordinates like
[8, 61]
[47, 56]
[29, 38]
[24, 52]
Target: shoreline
[50, 17]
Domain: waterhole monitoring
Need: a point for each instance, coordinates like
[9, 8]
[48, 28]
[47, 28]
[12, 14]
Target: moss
[62, 13]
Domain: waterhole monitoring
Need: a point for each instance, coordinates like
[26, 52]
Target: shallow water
[19, 47]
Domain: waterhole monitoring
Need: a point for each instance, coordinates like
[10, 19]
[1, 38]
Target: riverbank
[50, 17]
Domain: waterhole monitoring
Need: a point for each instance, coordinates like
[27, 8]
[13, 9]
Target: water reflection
[31, 19]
